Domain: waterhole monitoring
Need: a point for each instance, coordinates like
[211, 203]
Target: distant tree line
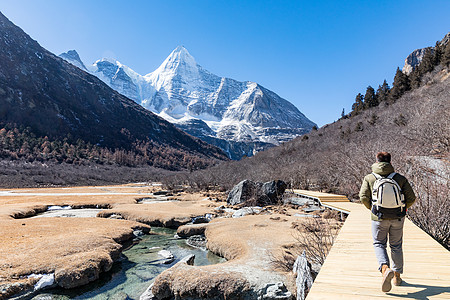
[22, 144]
[433, 57]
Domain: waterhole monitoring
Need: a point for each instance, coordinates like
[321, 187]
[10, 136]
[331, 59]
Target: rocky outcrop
[304, 281]
[248, 192]
[413, 60]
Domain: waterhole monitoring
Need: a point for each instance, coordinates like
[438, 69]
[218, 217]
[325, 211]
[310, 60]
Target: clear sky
[316, 54]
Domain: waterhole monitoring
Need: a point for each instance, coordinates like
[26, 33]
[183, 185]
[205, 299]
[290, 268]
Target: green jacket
[384, 169]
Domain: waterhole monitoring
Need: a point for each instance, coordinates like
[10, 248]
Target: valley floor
[75, 251]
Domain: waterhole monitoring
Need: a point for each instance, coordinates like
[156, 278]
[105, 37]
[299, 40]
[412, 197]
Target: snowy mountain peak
[73, 57]
[180, 61]
[239, 117]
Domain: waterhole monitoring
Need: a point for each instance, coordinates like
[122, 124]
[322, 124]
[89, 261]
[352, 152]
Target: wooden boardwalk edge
[350, 270]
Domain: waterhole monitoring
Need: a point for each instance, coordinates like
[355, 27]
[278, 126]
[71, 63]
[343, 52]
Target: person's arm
[410, 197]
[365, 194]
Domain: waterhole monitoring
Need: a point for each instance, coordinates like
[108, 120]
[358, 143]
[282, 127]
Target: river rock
[247, 211]
[200, 220]
[197, 241]
[167, 255]
[276, 291]
[258, 193]
[148, 294]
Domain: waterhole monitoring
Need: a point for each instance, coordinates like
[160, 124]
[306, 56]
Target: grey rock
[298, 201]
[148, 294]
[197, 241]
[413, 60]
[200, 220]
[276, 291]
[256, 192]
[167, 255]
[247, 211]
[189, 260]
[306, 216]
[241, 192]
[312, 209]
[274, 189]
[304, 280]
[138, 233]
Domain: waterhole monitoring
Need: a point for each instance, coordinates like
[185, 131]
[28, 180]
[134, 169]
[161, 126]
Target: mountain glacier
[239, 117]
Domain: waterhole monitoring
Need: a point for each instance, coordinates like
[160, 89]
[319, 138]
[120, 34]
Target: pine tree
[370, 99]
[438, 51]
[415, 78]
[343, 113]
[400, 86]
[445, 60]
[383, 92]
[358, 105]
[427, 64]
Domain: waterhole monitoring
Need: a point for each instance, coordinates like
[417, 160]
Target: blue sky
[316, 54]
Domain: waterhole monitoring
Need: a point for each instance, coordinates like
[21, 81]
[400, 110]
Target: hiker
[388, 195]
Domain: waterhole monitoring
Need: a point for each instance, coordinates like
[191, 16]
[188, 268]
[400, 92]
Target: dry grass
[200, 283]
[247, 243]
[167, 214]
[77, 250]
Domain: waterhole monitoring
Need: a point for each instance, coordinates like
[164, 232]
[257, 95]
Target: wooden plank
[350, 270]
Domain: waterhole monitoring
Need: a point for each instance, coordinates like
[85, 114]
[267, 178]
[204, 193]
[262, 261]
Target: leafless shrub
[431, 211]
[315, 236]
[283, 261]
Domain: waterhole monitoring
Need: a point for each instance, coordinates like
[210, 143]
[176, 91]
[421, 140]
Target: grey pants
[381, 231]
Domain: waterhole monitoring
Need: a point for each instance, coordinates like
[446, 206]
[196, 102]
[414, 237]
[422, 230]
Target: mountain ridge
[237, 113]
[54, 98]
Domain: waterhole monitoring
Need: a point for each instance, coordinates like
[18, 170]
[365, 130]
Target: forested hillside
[51, 111]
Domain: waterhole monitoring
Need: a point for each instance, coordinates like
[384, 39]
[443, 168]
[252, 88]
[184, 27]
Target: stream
[135, 271]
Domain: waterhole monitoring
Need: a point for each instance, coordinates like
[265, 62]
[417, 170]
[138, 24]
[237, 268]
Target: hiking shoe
[388, 274]
[397, 280]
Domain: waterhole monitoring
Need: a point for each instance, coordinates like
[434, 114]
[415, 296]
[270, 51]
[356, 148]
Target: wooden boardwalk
[350, 270]
[322, 197]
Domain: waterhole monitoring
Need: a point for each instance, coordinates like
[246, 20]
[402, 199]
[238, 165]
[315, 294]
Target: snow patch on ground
[45, 280]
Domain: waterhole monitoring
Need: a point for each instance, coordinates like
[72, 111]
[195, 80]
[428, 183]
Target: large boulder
[252, 193]
[242, 192]
[274, 189]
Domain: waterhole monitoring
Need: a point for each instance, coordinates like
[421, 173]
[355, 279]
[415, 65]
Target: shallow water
[69, 213]
[139, 265]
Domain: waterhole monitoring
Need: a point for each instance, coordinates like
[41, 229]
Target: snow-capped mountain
[239, 117]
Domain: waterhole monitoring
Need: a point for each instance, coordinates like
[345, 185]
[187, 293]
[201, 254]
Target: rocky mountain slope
[239, 117]
[56, 99]
[415, 58]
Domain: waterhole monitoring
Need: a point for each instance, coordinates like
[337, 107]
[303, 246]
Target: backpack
[387, 199]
